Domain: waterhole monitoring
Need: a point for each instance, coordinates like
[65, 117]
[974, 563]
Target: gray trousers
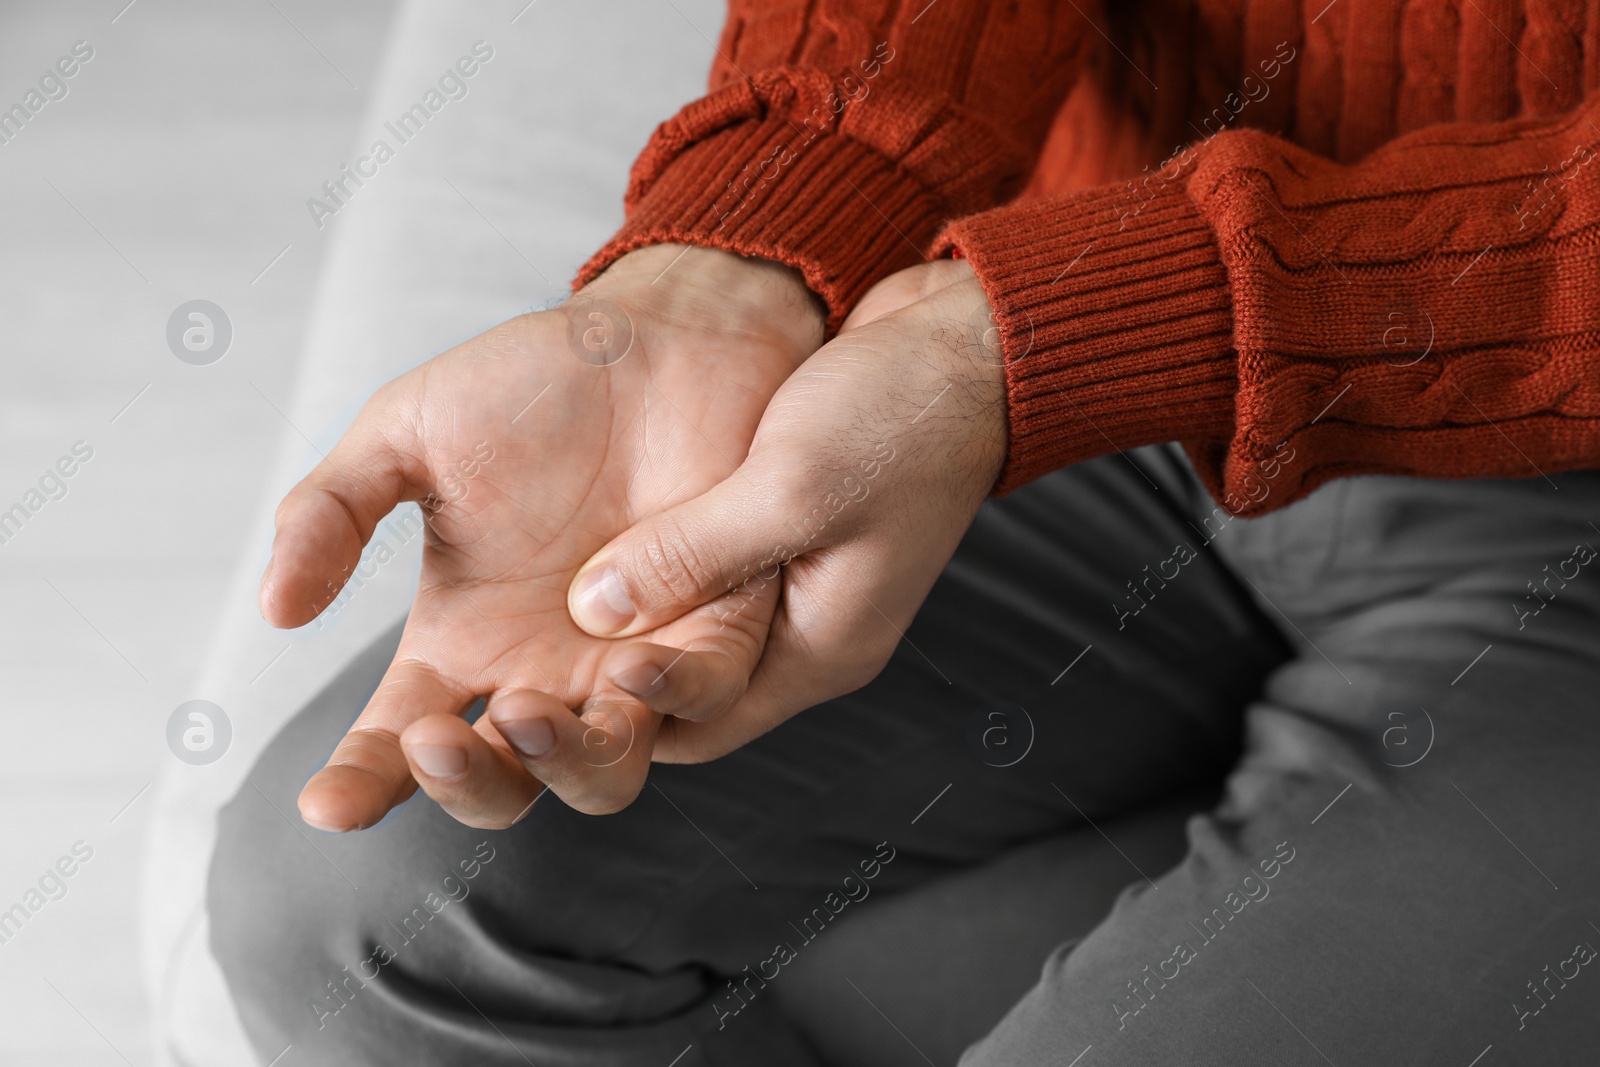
[1144, 784]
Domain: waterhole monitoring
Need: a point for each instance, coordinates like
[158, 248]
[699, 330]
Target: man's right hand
[530, 447]
[869, 465]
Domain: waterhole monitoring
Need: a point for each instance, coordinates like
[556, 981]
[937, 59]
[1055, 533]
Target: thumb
[325, 520]
[731, 539]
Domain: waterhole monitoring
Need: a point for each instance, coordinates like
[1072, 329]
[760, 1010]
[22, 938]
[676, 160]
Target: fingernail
[440, 761]
[601, 604]
[531, 737]
[642, 681]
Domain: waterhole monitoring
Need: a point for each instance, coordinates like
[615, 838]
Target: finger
[477, 782]
[708, 675]
[733, 539]
[325, 521]
[774, 693]
[368, 773]
[595, 762]
[811, 655]
[689, 683]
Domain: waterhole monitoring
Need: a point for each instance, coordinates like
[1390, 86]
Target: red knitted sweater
[1307, 241]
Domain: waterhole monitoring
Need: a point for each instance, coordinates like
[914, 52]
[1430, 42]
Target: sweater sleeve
[839, 134]
[1432, 310]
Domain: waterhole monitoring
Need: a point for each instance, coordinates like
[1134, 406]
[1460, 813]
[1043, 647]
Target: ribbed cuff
[1115, 323]
[833, 208]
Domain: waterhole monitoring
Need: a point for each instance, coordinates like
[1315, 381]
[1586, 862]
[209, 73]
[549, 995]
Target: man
[1389, 674]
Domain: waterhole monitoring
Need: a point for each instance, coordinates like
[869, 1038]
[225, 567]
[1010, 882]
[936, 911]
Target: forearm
[1418, 313]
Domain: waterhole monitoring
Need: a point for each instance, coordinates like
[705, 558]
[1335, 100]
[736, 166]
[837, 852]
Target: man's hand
[868, 466]
[528, 447]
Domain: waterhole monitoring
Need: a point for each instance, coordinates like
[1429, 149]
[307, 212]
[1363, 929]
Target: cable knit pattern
[1366, 238]
[1385, 321]
[1381, 320]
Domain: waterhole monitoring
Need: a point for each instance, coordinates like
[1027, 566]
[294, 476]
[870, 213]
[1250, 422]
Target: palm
[600, 447]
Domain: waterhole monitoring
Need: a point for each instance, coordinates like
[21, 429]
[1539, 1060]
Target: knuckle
[728, 662]
[683, 741]
[866, 663]
[285, 508]
[790, 491]
[598, 805]
[670, 566]
[559, 772]
[502, 820]
[494, 820]
[607, 798]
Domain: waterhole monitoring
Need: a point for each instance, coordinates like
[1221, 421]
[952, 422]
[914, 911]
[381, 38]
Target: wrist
[975, 366]
[708, 288]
